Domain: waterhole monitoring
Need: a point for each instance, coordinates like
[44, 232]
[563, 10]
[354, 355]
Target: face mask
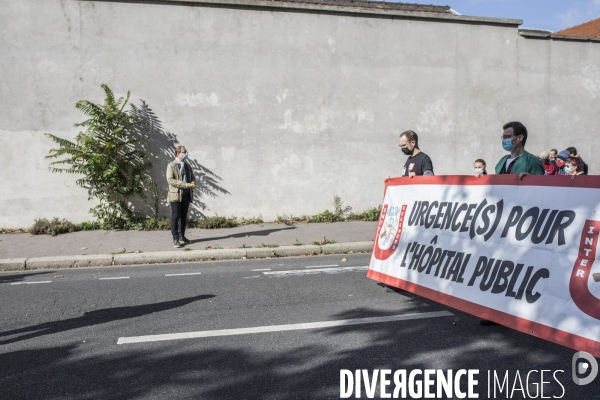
[479, 170]
[567, 169]
[552, 159]
[559, 163]
[185, 156]
[507, 144]
[406, 151]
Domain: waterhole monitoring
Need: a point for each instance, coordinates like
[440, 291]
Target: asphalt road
[59, 338]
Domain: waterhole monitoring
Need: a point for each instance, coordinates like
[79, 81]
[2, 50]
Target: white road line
[116, 277]
[280, 328]
[263, 269]
[315, 271]
[29, 283]
[188, 273]
[322, 266]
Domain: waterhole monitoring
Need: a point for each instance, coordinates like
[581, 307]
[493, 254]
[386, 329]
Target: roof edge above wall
[553, 36]
[324, 8]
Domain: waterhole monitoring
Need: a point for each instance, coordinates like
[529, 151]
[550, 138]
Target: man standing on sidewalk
[418, 163]
[181, 185]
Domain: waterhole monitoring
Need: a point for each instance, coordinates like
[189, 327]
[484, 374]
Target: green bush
[43, 226]
[251, 221]
[338, 207]
[339, 213]
[156, 224]
[326, 216]
[371, 214]
[89, 226]
[286, 219]
[215, 222]
[55, 226]
[114, 161]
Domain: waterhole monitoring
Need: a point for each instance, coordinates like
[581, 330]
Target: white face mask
[479, 170]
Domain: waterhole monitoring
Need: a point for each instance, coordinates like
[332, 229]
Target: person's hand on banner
[412, 174]
[522, 174]
[386, 179]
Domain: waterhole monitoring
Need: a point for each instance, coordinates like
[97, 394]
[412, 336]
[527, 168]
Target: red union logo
[578, 285]
[389, 230]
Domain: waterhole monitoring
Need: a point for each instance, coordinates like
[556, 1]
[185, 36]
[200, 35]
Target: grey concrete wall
[287, 108]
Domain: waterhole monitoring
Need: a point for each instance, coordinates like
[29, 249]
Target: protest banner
[520, 253]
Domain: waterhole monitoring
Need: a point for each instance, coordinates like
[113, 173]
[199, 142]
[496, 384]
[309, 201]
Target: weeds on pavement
[323, 242]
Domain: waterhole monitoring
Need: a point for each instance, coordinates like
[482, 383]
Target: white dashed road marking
[263, 269]
[323, 266]
[189, 273]
[116, 277]
[280, 328]
[29, 283]
[315, 271]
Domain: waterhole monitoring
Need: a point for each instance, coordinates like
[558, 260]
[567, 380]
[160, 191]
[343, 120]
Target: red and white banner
[520, 253]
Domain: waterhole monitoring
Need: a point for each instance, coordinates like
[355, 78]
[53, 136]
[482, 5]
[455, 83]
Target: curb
[166, 257]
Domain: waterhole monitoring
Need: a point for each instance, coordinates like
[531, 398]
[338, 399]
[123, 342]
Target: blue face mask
[507, 144]
[479, 170]
[567, 169]
[185, 156]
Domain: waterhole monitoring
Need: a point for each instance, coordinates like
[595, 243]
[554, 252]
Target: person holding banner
[518, 161]
[418, 163]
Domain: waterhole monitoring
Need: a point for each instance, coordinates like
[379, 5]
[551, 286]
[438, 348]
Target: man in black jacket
[417, 163]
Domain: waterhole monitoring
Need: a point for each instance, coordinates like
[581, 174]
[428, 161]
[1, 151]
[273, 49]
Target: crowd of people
[565, 162]
[518, 161]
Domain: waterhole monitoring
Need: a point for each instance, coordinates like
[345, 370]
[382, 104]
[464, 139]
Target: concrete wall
[287, 108]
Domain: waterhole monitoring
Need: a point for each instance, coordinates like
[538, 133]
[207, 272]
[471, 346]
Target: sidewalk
[141, 246]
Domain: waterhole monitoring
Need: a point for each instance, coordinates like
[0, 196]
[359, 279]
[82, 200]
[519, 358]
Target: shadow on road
[306, 366]
[97, 317]
[4, 278]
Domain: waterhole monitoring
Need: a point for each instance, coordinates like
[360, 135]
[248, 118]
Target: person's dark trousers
[179, 212]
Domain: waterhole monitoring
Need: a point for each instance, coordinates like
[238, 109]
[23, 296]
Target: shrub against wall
[113, 161]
